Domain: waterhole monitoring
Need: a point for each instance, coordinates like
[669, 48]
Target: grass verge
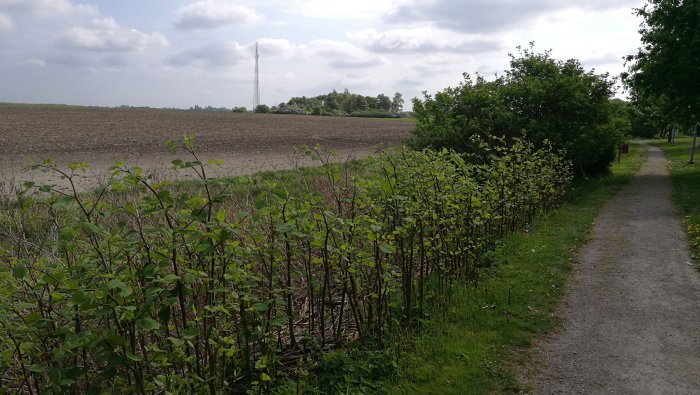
[685, 179]
[482, 343]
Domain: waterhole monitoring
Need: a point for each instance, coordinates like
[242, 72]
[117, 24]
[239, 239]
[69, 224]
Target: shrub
[374, 114]
[539, 99]
[262, 109]
[146, 287]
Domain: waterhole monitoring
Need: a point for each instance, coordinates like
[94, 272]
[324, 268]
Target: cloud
[339, 10]
[105, 35]
[341, 54]
[605, 59]
[275, 47]
[48, 8]
[489, 15]
[424, 40]
[32, 62]
[210, 56]
[210, 14]
[6, 23]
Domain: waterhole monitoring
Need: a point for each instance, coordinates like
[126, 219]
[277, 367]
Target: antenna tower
[256, 93]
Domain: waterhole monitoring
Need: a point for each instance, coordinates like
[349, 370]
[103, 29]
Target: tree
[664, 70]
[262, 109]
[397, 103]
[360, 103]
[539, 98]
[383, 102]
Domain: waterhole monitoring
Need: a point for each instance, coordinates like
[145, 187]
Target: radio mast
[256, 93]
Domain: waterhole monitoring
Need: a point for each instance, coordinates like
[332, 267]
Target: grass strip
[685, 179]
[482, 343]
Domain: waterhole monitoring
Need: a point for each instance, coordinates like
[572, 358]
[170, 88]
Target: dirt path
[632, 312]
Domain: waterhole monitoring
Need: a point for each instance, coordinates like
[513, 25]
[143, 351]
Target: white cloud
[490, 15]
[424, 40]
[105, 35]
[211, 56]
[48, 8]
[209, 14]
[6, 23]
[345, 10]
[337, 54]
[275, 47]
[341, 54]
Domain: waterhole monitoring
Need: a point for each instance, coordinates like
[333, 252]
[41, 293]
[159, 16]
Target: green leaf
[264, 377]
[170, 278]
[133, 357]
[148, 324]
[115, 283]
[386, 248]
[19, 271]
[285, 228]
[37, 368]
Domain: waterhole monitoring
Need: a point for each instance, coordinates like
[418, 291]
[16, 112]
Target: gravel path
[632, 311]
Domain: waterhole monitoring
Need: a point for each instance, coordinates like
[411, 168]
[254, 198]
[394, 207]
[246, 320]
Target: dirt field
[246, 142]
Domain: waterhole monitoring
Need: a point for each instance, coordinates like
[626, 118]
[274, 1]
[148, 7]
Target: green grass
[685, 179]
[477, 346]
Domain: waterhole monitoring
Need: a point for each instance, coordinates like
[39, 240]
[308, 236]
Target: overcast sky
[178, 53]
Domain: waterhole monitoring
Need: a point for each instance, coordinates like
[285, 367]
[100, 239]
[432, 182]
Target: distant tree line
[209, 109]
[340, 104]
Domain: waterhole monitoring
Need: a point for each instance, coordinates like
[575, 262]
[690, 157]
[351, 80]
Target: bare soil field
[246, 142]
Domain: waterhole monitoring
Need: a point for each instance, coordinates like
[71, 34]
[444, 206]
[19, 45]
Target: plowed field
[246, 142]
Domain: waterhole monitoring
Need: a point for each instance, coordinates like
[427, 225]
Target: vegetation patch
[479, 343]
[251, 284]
[685, 178]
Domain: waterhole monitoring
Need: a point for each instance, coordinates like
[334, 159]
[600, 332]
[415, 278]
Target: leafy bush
[290, 109]
[239, 109]
[144, 286]
[539, 99]
[262, 109]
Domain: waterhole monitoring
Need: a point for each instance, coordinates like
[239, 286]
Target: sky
[181, 53]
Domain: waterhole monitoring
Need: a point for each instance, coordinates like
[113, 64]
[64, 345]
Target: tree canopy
[539, 98]
[343, 103]
[663, 73]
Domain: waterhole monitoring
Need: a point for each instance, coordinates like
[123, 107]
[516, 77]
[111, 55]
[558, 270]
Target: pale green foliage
[144, 287]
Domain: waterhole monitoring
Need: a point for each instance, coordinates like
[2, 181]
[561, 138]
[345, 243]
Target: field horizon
[246, 142]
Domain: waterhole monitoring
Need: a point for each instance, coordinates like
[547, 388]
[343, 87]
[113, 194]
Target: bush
[239, 109]
[147, 287]
[262, 109]
[290, 109]
[539, 99]
[374, 114]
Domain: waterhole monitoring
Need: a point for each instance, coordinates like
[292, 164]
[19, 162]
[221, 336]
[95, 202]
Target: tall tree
[664, 70]
[383, 102]
[397, 103]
